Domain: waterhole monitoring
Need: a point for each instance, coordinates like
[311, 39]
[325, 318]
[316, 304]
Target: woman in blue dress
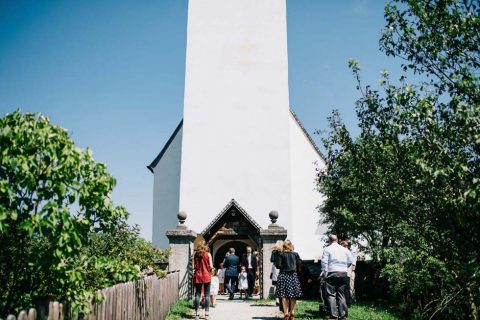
[288, 286]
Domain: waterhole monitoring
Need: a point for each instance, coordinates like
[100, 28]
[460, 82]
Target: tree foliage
[123, 244]
[407, 187]
[55, 206]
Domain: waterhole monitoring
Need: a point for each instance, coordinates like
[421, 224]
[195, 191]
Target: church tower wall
[236, 110]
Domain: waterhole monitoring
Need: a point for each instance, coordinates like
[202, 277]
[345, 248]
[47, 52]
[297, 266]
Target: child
[214, 284]
[243, 282]
[221, 279]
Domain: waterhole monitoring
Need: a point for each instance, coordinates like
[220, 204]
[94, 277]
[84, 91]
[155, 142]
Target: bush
[407, 187]
[61, 237]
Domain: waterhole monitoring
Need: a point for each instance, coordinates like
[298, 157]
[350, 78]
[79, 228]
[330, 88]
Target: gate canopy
[232, 223]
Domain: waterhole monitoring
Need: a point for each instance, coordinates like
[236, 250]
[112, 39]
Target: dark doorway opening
[239, 246]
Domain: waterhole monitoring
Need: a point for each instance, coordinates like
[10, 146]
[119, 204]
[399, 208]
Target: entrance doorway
[233, 228]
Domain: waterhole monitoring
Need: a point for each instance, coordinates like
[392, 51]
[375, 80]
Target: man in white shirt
[335, 263]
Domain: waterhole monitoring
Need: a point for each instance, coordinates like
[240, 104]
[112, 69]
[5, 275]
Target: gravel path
[242, 310]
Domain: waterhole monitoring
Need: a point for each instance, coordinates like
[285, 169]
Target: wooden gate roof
[231, 204]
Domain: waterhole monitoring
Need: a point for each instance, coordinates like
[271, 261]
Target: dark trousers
[336, 286]
[206, 294]
[231, 284]
[251, 281]
[348, 294]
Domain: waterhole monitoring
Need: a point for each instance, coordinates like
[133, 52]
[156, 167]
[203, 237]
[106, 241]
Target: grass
[182, 309]
[262, 302]
[305, 310]
[361, 311]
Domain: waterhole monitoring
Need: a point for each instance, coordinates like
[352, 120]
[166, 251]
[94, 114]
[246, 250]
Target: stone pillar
[270, 236]
[181, 252]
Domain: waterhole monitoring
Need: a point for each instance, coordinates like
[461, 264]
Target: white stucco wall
[236, 111]
[305, 232]
[166, 188]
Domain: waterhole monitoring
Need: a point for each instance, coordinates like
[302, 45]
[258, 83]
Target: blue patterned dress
[288, 285]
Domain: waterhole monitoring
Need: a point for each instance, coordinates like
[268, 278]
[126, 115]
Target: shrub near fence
[149, 298]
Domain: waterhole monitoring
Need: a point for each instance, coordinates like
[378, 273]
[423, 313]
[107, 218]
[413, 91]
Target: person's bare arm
[210, 260]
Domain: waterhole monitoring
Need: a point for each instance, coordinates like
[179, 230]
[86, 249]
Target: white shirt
[214, 284]
[336, 258]
[221, 275]
[249, 259]
[242, 281]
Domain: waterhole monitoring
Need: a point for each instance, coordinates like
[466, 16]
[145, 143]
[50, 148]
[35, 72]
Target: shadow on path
[244, 309]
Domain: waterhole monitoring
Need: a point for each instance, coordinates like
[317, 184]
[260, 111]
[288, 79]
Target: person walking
[202, 266]
[221, 279]
[350, 274]
[231, 263]
[214, 286]
[276, 250]
[250, 262]
[288, 285]
[335, 263]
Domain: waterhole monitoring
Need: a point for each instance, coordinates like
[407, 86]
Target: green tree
[54, 203]
[123, 245]
[407, 187]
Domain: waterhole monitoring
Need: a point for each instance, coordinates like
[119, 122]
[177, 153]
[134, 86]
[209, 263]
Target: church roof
[231, 204]
[307, 135]
[165, 148]
[180, 125]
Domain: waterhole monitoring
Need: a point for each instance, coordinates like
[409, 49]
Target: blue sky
[112, 73]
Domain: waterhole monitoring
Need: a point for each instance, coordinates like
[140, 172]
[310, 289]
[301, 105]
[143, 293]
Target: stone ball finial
[182, 216]
[273, 216]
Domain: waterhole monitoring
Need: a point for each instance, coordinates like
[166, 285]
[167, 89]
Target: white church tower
[239, 138]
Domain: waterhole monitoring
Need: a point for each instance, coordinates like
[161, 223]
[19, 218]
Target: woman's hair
[278, 246]
[288, 246]
[201, 249]
[344, 243]
[214, 272]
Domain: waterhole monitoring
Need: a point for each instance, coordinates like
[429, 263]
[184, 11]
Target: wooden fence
[149, 298]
